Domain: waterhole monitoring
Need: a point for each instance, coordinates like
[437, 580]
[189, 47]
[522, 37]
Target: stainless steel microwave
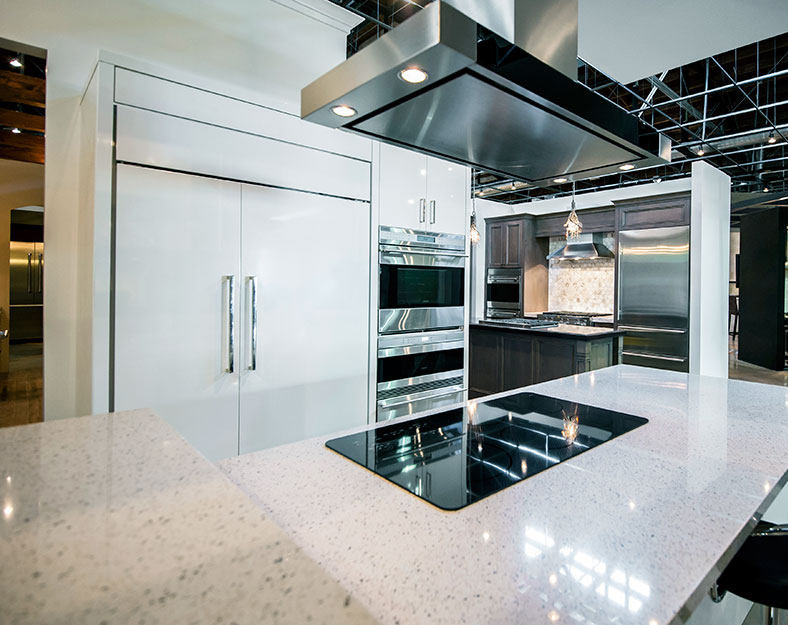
[422, 280]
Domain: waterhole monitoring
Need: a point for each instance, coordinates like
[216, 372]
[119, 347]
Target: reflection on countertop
[630, 532]
[116, 519]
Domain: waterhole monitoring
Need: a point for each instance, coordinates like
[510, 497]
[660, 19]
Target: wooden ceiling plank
[21, 89]
[25, 121]
[21, 147]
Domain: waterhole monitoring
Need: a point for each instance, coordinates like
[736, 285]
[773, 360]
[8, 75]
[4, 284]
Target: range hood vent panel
[585, 247]
[486, 104]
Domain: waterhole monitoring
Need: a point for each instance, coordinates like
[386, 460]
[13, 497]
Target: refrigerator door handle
[648, 329]
[654, 356]
[228, 284]
[40, 273]
[29, 272]
[251, 282]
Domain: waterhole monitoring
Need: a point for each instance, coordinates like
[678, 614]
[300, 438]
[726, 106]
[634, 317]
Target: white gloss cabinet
[302, 258]
[309, 255]
[422, 192]
[176, 237]
[403, 188]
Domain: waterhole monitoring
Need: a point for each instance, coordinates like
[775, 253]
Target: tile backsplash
[584, 285]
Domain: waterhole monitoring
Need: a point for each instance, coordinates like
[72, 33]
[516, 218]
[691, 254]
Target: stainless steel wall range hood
[584, 247]
[485, 102]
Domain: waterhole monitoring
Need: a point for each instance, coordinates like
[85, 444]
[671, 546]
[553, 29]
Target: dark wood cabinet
[504, 243]
[502, 359]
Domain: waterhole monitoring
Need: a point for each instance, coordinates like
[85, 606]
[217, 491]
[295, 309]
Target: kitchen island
[632, 532]
[505, 355]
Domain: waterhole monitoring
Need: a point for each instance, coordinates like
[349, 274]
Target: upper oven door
[420, 291]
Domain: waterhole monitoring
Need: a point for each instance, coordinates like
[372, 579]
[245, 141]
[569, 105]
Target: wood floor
[21, 388]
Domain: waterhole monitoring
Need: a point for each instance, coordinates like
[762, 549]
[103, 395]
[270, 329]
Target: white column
[709, 250]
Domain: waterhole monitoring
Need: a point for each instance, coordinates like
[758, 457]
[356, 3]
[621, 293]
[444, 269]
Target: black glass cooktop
[456, 457]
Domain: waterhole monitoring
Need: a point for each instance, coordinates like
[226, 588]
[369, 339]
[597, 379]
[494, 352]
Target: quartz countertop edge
[117, 519]
[665, 506]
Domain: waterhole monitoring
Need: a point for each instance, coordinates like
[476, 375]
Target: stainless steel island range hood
[473, 97]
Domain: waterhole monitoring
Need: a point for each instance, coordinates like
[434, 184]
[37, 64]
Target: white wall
[263, 51]
[486, 209]
[709, 270]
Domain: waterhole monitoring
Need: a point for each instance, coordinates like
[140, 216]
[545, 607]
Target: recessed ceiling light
[413, 75]
[701, 152]
[15, 62]
[766, 189]
[16, 131]
[343, 111]
[771, 139]
[559, 180]
[626, 167]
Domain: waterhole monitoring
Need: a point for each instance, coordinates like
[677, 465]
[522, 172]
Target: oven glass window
[421, 287]
[509, 293]
[413, 365]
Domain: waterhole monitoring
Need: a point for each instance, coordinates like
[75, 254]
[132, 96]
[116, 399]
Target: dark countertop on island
[561, 330]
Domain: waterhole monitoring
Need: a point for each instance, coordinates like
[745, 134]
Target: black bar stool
[759, 572]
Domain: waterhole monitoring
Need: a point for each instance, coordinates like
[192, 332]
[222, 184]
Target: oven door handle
[405, 350]
[411, 259]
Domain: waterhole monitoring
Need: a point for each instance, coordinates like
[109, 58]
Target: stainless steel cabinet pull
[432, 211]
[40, 273]
[252, 284]
[422, 210]
[228, 284]
[654, 356]
[29, 272]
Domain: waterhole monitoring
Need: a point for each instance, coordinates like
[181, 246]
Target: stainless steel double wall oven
[421, 337]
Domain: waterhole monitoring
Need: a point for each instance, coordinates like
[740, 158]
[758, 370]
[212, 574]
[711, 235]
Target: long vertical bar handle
[29, 272]
[252, 282]
[40, 273]
[230, 290]
[422, 210]
[432, 211]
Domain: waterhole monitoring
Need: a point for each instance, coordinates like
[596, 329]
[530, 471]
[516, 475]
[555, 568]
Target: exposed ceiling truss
[730, 109]
[22, 106]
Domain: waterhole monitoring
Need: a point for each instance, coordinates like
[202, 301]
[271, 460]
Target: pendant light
[474, 235]
[573, 226]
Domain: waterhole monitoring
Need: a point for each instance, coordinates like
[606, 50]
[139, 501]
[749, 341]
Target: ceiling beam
[21, 89]
[22, 147]
[25, 121]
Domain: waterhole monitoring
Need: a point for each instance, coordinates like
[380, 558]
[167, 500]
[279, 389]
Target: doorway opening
[22, 115]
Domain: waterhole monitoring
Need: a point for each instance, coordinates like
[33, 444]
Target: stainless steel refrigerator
[653, 296]
[26, 275]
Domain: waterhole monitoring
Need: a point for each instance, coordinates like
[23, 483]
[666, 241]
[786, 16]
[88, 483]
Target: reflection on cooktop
[456, 457]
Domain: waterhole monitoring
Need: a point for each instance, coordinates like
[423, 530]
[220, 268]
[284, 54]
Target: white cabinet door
[177, 236]
[403, 188]
[447, 194]
[310, 257]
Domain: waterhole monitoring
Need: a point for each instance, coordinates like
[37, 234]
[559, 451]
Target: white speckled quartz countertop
[631, 532]
[115, 519]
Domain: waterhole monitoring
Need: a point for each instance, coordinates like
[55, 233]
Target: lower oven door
[419, 372]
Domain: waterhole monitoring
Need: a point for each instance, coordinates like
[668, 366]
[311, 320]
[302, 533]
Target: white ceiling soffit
[631, 39]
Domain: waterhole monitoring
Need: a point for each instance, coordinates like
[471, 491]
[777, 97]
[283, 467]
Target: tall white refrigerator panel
[177, 252]
[308, 256]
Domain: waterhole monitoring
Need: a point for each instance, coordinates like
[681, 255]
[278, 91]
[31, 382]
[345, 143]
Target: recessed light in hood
[488, 103]
[343, 111]
[413, 75]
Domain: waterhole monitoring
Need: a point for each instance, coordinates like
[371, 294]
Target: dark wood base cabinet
[502, 359]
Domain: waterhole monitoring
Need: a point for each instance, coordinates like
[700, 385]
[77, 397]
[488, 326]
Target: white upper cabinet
[447, 196]
[403, 188]
[422, 192]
